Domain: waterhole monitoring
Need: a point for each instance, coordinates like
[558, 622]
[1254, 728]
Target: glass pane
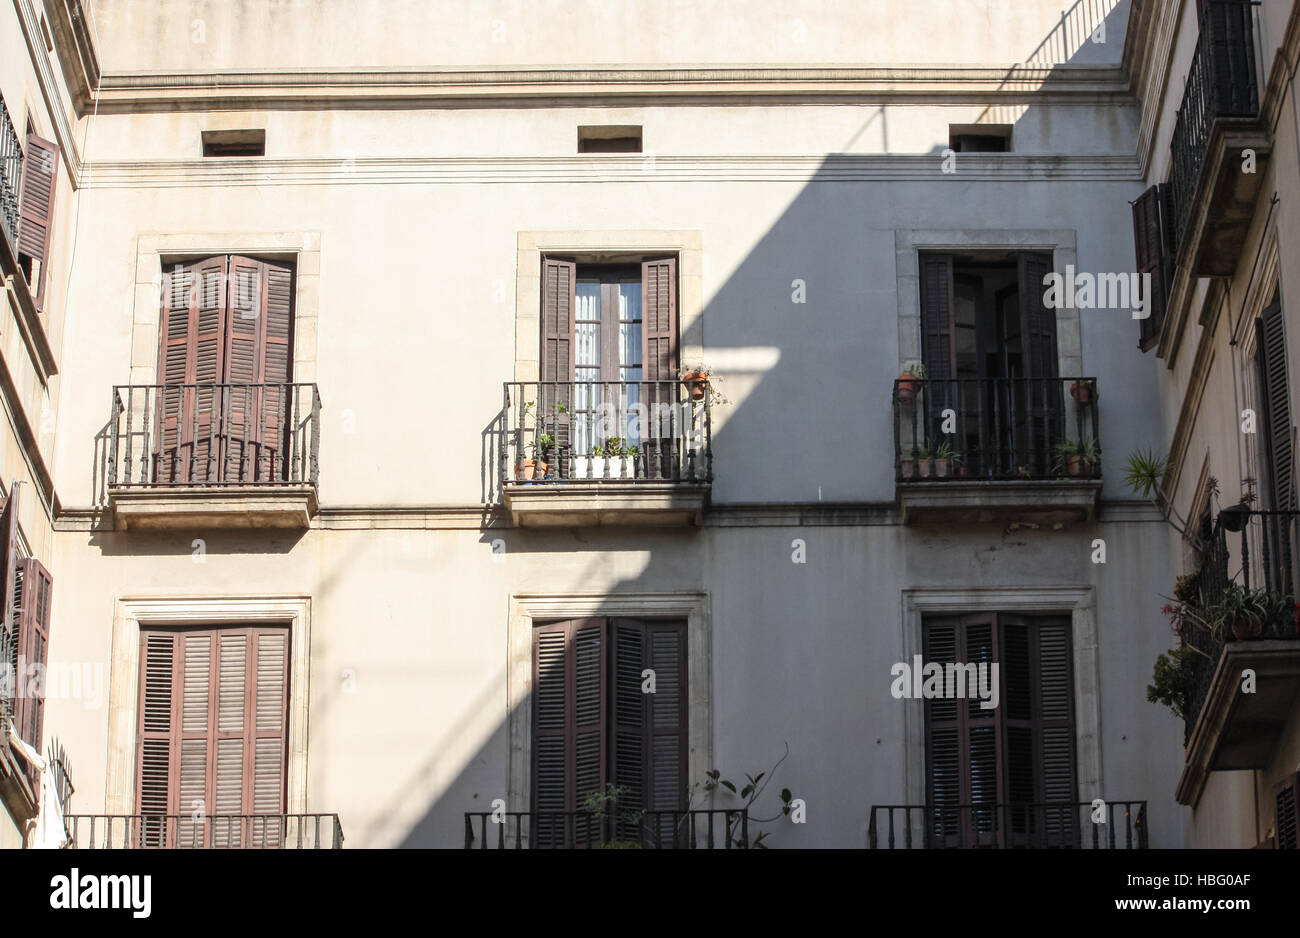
[629, 319]
[586, 316]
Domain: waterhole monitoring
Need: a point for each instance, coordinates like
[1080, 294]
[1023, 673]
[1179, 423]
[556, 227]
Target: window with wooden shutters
[1003, 776]
[1287, 795]
[593, 726]
[8, 569]
[36, 212]
[212, 736]
[1153, 233]
[1275, 398]
[32, 595]
[224, 366]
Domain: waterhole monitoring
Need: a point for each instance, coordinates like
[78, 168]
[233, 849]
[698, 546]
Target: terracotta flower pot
[529, 469]
[940, 468]
[698, 384]
[908, 385]
[1246, 627]
[1078, 466]
[1081, 392]
[907, 468]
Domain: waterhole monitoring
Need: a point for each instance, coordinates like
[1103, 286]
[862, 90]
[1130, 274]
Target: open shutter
[659, 356]
[559, 282]
[8, 565]
[1275, 396]
[157, 791]
[1288, 813]
[33, 588]
[1153, 248]
[1041, 402]
[568, 728]
[36, 212]
[937, 345]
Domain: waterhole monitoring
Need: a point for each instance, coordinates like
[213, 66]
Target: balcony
[653, 830]
[194, 456]
[11, 170]
[996, 449]
[1058, 824]
[220, 831]
[1213, 198]
[575, 453]
[1227, 729]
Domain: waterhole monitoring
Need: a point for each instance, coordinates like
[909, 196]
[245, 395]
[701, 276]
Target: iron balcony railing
[1221, 84]
[11, 171]
[1265, 558]
[995, 428]
[1102, 825]
[631, 432]
[724, 829]
[213, 434]
[205, 831]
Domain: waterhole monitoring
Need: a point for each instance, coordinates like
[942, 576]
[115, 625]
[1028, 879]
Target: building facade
[429, 420]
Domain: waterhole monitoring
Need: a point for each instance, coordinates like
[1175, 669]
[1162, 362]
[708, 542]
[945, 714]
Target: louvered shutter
[1042, 403]
[276, 372]
[1275, 398]
[938, 348]
[1226, 26]
[8, 570]
[214, 732]
[568, 729]
[33, 590]
[985, 782]
[155, 771]
[659, 356]
[1288, 813]
[36, 211]
[559, 281]
[945, 748]
[245, 324]
[650, 730]
[1153, 248]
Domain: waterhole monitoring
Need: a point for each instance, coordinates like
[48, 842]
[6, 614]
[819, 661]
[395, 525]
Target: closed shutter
[33, 591]
[1226, 25]
[1275, 396]
[568, 729]
[213, 736]
[650, 743]
[1288, 813]
[1153, 248]
[36, 212]
[944, 741]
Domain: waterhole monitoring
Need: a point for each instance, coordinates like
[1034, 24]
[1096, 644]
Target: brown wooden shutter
[8, 570]
[33, 591]
[257, 350]
[649, 751]
[938, 349]
[213, 736]
[1041, 401]
[1038, 321]
[559, 282]
[36, 211]
[659, 319]
[277, 372]
[944, 738]
[1288, 813]
[1153, 247]
[1275, 404]
[568, 727]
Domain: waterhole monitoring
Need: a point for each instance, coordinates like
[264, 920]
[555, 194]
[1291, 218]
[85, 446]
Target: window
[234, 143]
[25, 631]
[594, 725]
[609, 139]
[1154, 246]
[1275, 412]
[988, 343]
[212, 736]
[611, 331]
[1018, 755]
[36, 212]
[979, 138]
[224, 401]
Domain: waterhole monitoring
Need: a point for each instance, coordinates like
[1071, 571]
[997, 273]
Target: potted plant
[1076, 457]
[543, 442]
[923, 462]
[1085, 392]
[630, 454]
[907, 463]
[1144, 472]
[597, 462]
[959, 468]
[1174, 680]
[942, 461]
[1234, 517]
[1240, 612]
[909, 382]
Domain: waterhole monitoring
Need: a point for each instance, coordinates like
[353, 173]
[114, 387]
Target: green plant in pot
[1077, 458]
[1144, 472]
[923, 462]
[907, 462]
[943, 460]
[909, 382]
[1239, 613]
[1173, 681]
[616, 826]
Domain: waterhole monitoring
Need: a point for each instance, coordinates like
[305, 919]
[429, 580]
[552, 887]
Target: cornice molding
[837, 167]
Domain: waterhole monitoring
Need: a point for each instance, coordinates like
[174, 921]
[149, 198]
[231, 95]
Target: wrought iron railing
[1099, 825]
[1221, 84]
[1265, 558]
[202, 831]
[719, 829]
[11, 171]
[213, 434]
[632, 432]
[995, 428]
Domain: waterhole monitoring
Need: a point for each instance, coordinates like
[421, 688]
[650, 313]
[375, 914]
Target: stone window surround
[124, 680]
[1079, 602]
[153, 251]
[1061, 242]
[525, 608]
[688, 245]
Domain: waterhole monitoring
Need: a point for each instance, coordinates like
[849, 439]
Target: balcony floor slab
[143, 508]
